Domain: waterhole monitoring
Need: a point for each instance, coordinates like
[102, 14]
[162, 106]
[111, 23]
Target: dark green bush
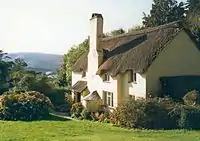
[57, 96]
[190, 117]
[76, 110]
[24, 106]
[86, 114]
[154, 113]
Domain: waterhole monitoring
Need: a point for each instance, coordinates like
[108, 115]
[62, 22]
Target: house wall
[181, 57]
[77, 77]
[96, 83]
[126, 89]
[138, 89]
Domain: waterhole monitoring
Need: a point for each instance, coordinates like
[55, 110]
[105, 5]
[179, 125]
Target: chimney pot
[96, 15]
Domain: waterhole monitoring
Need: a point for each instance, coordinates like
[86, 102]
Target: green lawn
[85, 131]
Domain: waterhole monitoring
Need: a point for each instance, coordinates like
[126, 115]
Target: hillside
[39, 61]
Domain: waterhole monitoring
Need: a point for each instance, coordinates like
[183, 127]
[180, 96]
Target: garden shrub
[190, 117]
[115, 117]
[57, 96]
[86, 115]
[66, 106]
[76, 110]
[192, 98]
[25, 106]
[154, 113]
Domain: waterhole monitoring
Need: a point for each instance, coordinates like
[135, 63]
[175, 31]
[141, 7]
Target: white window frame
[108, 98]
[83, 74]
[132, 77]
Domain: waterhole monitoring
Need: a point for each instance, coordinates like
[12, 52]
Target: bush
[24, 106]
[86, 115]
[57, 96]
[66, 106]
[192, 98]
[190, 117]
[76, 110]
[154, 113]
[115, 117]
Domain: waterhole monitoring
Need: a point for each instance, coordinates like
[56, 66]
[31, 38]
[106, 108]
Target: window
[108, 98]
[132, 77]
[106, 77]
[131, 97]
[83, 74]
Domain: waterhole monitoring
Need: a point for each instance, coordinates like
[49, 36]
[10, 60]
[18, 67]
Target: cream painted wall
[138, 89]
[181, 57]
[96, 83]
[78, 77]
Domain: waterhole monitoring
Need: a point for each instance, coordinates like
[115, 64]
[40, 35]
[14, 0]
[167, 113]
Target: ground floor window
[108, 98]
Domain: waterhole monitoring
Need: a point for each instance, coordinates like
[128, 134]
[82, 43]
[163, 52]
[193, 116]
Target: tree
[163, 12]
[64, 73]
[5, 67]
[117, 32]
[135, 28]
[19, 65]
[192, 5]
[193, 16]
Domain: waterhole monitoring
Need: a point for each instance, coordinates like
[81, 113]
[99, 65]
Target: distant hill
[39, 62]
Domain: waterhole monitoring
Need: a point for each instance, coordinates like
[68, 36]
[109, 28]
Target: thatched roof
[92, 96]
[134, 51]
[79, 86]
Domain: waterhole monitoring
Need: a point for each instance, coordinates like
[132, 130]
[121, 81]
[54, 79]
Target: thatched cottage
[131, 65]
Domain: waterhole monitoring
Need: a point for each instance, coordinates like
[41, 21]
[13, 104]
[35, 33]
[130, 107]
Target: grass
[70, 130]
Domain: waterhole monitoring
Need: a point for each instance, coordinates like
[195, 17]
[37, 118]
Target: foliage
[154, 113]
[164, 12]
[85, 114]
[192, 98]
[115, 116]
[30, 81]
[63, 105]
[19, 65]
[64, 73]
[76, 110]
[135, 28]
[190, 116]
[115, 32]
[24, 106]
[5, 67]
[193, 16]
[192, 5]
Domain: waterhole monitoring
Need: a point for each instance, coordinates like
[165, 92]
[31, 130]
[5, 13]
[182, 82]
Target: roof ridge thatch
[134, 51]
[79, 86]
[142, 31]
[92, 96]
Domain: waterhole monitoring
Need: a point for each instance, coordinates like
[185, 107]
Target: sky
[53, 26]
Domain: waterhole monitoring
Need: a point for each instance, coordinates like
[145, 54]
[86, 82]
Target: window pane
[112, 100]
[104, 97]
[134, 77]
[109, 101]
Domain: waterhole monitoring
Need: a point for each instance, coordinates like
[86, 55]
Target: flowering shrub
[76, 110]
[24, 106]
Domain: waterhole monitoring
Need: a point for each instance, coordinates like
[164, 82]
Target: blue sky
[53, 26]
